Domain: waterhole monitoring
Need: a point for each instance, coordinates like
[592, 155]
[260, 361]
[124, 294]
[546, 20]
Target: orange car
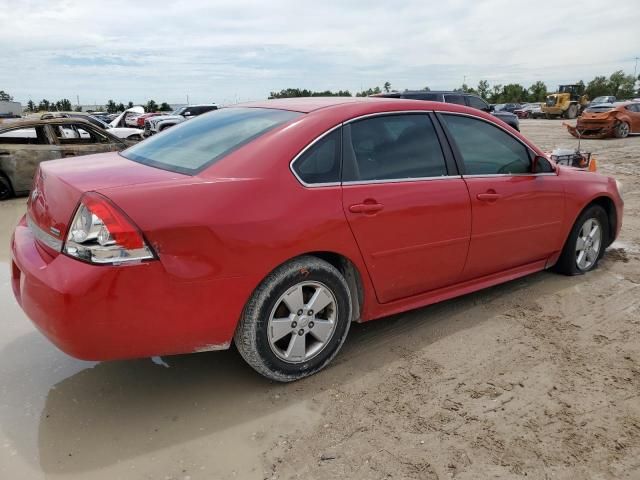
[608, 120]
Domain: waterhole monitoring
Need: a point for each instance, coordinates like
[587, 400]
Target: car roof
[306, 104]
[34, 122]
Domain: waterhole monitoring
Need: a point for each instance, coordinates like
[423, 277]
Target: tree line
[64, 105]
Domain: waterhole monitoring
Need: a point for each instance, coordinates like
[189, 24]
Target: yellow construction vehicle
[566, 102]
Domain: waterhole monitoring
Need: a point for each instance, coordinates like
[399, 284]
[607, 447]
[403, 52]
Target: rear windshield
[599, 109]
[196, 144]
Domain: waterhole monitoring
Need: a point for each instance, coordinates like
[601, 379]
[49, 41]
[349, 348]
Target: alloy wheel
[588, 244]
[302, 322]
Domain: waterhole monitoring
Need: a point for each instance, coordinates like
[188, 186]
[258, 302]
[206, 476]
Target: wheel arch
[609, 207]
[351, 274]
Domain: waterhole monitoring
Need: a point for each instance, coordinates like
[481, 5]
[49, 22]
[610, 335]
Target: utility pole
[635, 69]
[187, 99]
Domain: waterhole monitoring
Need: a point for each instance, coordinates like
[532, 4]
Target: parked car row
[458, 98]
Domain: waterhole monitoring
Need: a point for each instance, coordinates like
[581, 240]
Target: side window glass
[486, 149]
[458, 99]
[321, 162]
[393, 147]
[475, 102]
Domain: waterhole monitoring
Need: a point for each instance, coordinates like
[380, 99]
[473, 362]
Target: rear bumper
[591, 130]
[105, 312]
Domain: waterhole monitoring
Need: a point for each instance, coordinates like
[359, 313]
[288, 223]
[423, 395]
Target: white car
[156, 124]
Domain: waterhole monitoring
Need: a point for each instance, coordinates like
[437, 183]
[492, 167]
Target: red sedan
[277, 224]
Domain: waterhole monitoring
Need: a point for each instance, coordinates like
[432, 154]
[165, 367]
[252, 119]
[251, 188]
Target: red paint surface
[219, 233]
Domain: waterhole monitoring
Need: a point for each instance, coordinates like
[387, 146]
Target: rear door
[21, 151]
[407, 206]
[634, 115]
[517, 213]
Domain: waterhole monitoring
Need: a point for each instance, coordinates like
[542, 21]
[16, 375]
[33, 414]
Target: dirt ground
[536, 378]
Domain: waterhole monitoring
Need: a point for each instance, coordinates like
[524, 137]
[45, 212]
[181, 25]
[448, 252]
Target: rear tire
[6, 190]
[279, 334]
[586, 243]
[621, 130]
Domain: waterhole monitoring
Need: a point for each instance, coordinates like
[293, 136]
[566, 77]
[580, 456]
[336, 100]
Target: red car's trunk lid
[59, 184]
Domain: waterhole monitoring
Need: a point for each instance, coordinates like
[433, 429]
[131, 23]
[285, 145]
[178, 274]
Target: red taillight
[101, 233]
[123, 231]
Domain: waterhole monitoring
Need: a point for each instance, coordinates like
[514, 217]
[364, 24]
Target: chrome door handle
[366, 208]
[488, 197]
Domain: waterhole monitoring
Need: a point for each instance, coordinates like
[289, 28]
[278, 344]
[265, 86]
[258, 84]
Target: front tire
[621, 130]
[296, 320]
[586, 243]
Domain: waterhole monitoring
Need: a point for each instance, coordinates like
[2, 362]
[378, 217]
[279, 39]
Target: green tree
[129, 105]
[4, 96]
[514, 93]
[151, 106]
[598, 87]
[63, 105]
[483, 89]
[120, 107]
[31, 107]
[538, 92]
[111, 106]
[426, 89]
[387, 87]
[165, 107]
[621, 86]
[496, 94]
[369, 91]
[77, 109]
[44, 105]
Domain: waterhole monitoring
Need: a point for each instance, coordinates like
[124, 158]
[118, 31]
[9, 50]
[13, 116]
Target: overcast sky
[240, 49]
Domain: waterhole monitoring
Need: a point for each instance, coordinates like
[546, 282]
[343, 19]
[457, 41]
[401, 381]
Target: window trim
[460, 161]
[441, 133]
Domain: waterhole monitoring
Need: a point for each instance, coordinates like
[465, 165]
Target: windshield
[106, 126]
[499, 106]
[601, 100]
[194, 145]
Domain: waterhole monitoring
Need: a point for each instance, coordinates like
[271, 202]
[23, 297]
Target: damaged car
[26, 143]
[617, 120]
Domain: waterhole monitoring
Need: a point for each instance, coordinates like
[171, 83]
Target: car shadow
[138, 406]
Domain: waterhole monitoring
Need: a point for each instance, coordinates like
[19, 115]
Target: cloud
[223, 51]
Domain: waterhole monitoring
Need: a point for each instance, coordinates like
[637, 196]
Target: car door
[516, 212]
[634, 115]
[76, 139]
[21, 150]
[408, 208]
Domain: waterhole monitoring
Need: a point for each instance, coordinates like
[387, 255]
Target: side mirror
[541, 165]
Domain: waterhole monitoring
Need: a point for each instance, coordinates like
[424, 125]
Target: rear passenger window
[475, 102]
[486, 149]
[321, 162]
[458, 99]
[393, 147]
